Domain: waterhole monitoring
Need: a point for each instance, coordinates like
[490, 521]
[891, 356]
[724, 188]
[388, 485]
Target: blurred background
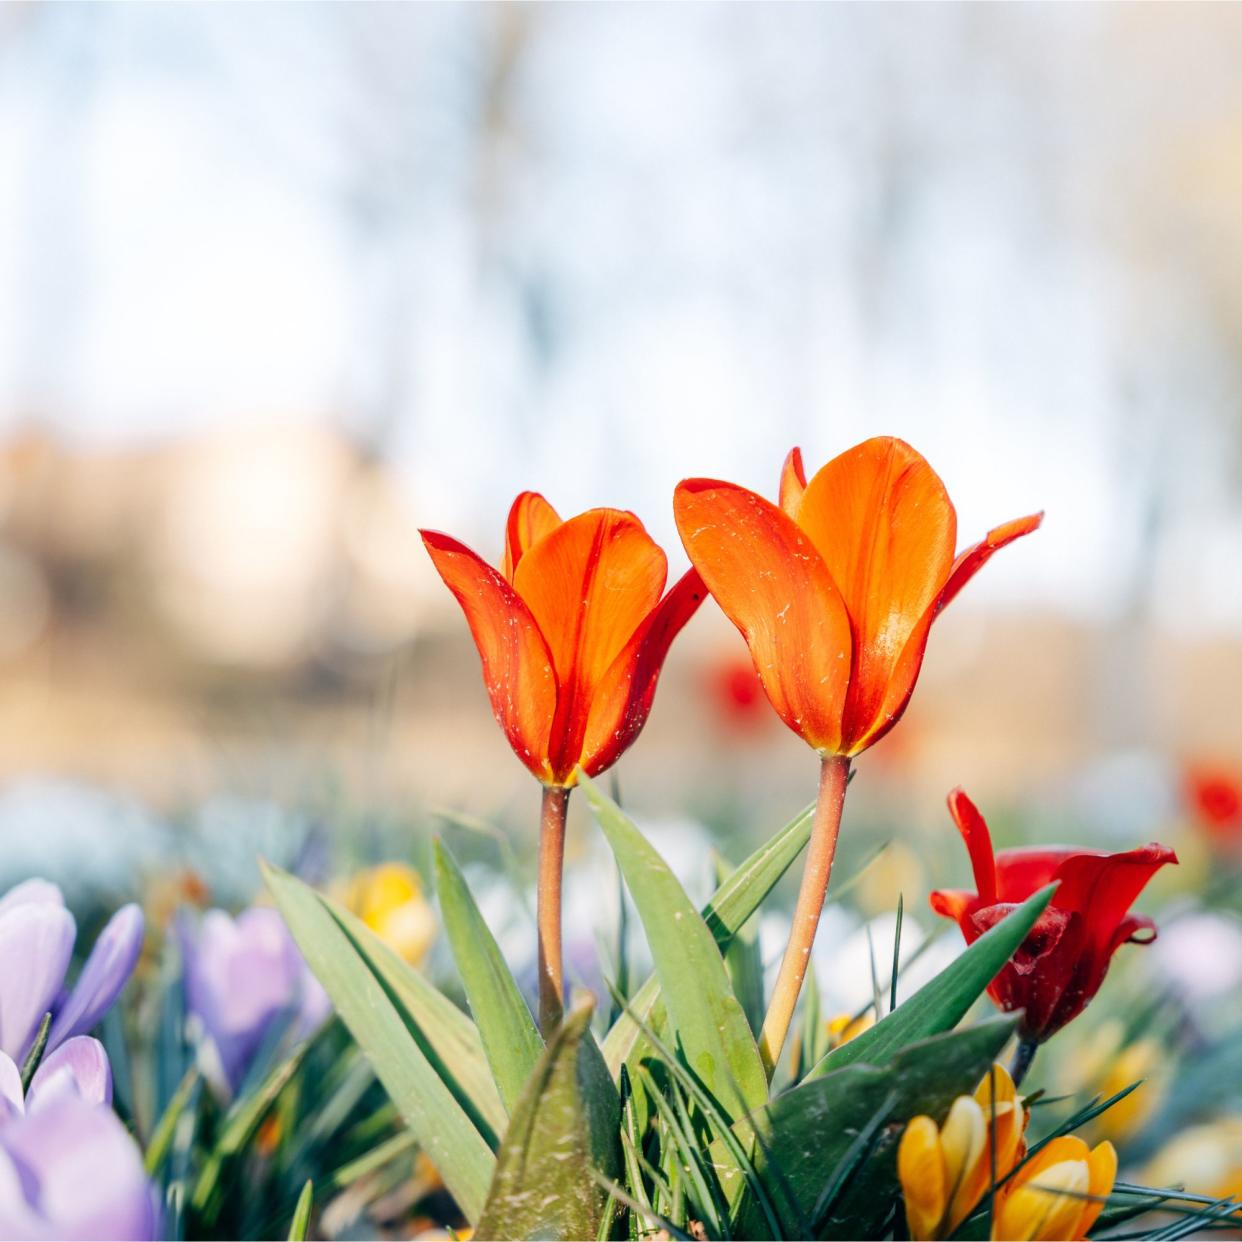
[279, 285]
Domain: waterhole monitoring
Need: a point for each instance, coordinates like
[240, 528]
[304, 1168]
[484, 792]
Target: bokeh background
[280, 284]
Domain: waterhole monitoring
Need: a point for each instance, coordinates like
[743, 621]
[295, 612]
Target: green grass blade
[367, 1008]
[711, 1030]
[301, 1214]
[510, 1039]
[727, 911]
[941, 1004]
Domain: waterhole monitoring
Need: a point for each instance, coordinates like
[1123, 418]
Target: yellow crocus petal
[1049, 1207]
[1008, 1122]
[1102, 1173]
[921, 1171]
[964, 1140]
[389, 900]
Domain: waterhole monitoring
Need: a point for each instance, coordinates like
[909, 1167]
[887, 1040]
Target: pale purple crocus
[79, 1069]
[70, 1169]
[36, 946]
[242, 976]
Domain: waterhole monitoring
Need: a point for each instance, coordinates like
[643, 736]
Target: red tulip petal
[622, 700]
[773, 585]
[589, 585]
[958, 905]
[978, 840]
[530, 518]
[1021, 872]
[973, 559]
[1103, 887]
[517, 667]
[883, 523]
[1129, 928]
[1043, 937]
[793, 483]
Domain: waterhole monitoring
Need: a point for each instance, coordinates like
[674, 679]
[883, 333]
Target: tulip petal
[1103, 887]
[770, 581]
[530, 518]
[36, 941]
[589, 585]
[78, 1067]
[622, 700]
[517, 667]
[973, 559]
[1020, 872]
[885, 527]
[978, 840]
[793, 483]
[956, 904]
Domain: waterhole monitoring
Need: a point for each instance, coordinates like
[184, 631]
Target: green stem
[833, 777]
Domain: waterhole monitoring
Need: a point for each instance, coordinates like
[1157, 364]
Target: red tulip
[1062, 963]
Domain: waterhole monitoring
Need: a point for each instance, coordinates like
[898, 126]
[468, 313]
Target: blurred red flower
[1214, 795]
[1062, 963]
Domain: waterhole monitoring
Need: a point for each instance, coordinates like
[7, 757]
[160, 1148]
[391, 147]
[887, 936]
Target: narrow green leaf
[368, 1009]
[941, 1004]
[727, 911]
[509, 1035]
[563, 1134]
[744, 963]
[301, 1214]
[162, 1136]
[710, 1029]
[804, 1137]
[449, 1040]
[35, 1055]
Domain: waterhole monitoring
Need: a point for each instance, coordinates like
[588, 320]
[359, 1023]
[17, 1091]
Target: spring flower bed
[347, 1059]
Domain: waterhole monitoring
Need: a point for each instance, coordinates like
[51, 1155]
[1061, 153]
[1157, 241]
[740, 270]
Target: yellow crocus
[389, 900]
[845, 1027]
[1206, 1159]
[1058, 1194]
[945, 1170]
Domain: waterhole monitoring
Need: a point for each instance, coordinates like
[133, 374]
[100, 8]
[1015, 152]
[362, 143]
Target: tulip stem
[1022, 1059]
[548, 906]
[833, 777]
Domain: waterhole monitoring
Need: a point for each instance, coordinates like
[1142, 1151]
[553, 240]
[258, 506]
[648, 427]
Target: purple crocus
[69, 1169]
[36, 945]
[242, 976]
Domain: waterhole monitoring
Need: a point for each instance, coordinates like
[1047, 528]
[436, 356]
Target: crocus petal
[36, 941]
[106, 972]
[530, 518]
[772, 583]
[978, 840]
[921, 1171]
[589, 585]
[883, 523]
[80, 1172]
[793, 483]
[1102, 1173]
[12, 1101]
[973, 559]
[79, 1067]
[32, 892]
[622, 700]
[964, 1138]
[517, 667]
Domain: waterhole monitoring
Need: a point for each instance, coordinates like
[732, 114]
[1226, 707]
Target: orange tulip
[572, 631]
[835, 590]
